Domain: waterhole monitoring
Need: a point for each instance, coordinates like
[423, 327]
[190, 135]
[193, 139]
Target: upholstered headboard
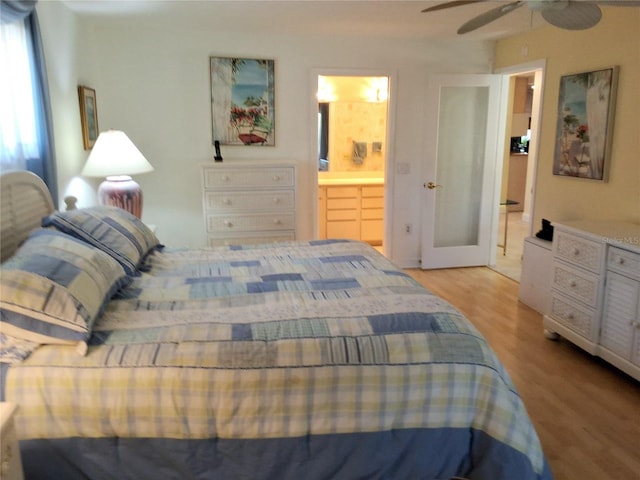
[24, 200]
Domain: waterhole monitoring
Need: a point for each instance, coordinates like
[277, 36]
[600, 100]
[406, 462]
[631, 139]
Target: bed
[315, 360]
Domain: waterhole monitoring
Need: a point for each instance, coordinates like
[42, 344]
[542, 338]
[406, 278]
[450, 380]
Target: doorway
[352, 156]
[518, 168]
[479, 245]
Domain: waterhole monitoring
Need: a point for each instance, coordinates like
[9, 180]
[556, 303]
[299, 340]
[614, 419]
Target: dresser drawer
[578, 250]
[220, 177]
[250, 222]
[373, 191]
[333, 215]
[579, 319]
[342, 203]
[624, 261]
[577, 284]
[372, 214]
[372, 202]
[342, 192]
[251, 238]
[222, 201]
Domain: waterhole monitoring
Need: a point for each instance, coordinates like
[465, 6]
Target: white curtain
[18, 124]
[26, 130]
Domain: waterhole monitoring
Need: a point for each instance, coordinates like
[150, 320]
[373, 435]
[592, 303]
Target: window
[25, 128]
[18, 134]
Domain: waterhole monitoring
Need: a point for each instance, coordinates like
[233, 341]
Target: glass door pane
[460, 160]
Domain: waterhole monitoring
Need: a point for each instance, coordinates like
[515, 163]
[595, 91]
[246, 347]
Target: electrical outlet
[408, 228]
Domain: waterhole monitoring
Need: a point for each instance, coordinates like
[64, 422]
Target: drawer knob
[277, 221]
[225, 178]
[569, 316]
[276, 200]
[226, 201]
[576, 251]
[620, 261]
[277, 178]
[228, 223]
[572, 283]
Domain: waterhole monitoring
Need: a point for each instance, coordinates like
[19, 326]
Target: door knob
[431, 185]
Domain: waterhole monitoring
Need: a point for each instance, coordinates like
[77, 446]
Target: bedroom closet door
[459, 171]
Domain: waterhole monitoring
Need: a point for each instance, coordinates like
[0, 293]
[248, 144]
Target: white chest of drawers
[249, 202]
[595, 296]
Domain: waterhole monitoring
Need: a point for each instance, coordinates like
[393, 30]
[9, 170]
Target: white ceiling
[390, 18]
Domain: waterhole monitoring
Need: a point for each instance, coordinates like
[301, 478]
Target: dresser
[620, 331]
[595, 290]
[249, 202]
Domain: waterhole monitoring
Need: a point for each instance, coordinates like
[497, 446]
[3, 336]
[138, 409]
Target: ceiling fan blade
[618, 3]
[576, 16]
[455, 3]
[489, 16]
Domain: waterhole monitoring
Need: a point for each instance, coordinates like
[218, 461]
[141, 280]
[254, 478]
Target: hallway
[510, 265]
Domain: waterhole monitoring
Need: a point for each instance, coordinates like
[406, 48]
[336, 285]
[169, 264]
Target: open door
[459, 172]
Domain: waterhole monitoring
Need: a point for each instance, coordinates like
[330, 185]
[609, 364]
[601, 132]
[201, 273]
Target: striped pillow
[54, 288]
[111, 229]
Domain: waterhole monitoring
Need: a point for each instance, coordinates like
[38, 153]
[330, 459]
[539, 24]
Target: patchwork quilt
[311, 359]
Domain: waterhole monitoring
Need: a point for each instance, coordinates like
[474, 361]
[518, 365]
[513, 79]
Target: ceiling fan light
[577, 16]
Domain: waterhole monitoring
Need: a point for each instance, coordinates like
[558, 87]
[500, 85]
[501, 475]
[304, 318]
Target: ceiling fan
[566, 14]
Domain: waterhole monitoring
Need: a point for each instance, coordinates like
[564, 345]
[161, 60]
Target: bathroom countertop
[350, 181]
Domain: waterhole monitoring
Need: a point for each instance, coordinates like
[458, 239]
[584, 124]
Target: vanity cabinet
[351, 211]
[249, 202]
[595, 290]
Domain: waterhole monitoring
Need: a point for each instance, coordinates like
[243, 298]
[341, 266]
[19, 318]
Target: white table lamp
[116, 157]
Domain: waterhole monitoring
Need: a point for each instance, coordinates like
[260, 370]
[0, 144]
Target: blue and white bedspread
[316, 360]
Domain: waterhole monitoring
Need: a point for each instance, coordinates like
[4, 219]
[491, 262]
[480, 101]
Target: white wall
[153, 83]
[70, 63]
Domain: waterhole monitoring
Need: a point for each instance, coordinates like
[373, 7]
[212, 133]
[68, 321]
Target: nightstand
[10, 462]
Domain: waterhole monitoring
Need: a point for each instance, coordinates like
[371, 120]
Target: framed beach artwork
[584, 129]
[88, 116]
[242, 101]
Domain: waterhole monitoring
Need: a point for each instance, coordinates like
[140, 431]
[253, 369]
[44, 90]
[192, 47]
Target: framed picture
[88, 116]
[242, 101]
[584, 129]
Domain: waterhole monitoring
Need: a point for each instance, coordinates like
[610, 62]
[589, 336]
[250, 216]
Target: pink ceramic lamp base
[121, 191]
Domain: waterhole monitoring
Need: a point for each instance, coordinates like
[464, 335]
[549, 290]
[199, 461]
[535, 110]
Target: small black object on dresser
[547, 230]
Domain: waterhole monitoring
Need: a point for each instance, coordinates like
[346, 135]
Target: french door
[460, 195]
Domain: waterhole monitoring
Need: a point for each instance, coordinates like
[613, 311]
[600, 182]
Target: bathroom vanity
[351, 208]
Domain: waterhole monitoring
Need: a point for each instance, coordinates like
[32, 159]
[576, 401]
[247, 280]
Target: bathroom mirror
[352, 122]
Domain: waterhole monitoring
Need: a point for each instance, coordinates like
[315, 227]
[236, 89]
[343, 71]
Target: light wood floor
[586, 412]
